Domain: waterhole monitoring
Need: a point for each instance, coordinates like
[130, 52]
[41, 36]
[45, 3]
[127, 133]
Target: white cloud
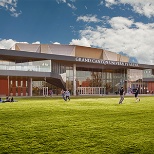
[109, 3]
[7, 44]
[88, 18]
[37, 42]
[56, 43]
[101, 2]
[71, 6]
[120, 22]
[82, 42]
[133, 38]
[10, 5]
[61, 1]
[143, 7]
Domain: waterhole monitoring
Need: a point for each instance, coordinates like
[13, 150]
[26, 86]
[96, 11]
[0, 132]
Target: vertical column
[30, 87]
[126, 81]
[19, 87]
[8, 78]
[74, 79]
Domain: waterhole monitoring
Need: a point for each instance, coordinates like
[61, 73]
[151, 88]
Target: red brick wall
[151, 86]
[4, 86]
[13, 89]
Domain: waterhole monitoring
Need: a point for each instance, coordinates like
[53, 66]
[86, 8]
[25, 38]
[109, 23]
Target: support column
[74, 79]
[8, 78]
[30, 87]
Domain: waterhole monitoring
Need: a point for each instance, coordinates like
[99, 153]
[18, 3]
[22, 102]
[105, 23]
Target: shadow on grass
[130, 150]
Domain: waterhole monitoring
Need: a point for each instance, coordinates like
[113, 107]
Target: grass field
[81, 126]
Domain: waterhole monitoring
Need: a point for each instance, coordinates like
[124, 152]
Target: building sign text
[105, 62]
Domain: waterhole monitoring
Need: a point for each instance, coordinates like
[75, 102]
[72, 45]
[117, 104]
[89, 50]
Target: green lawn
[81, 126]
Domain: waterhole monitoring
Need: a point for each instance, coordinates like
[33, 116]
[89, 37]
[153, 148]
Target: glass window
[21, 83]
[16, 83]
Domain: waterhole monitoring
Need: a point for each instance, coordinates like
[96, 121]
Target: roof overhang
[24, 56]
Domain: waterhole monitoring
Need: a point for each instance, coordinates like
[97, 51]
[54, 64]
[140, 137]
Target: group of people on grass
[8, 99]
[122, 93]
[65, 94]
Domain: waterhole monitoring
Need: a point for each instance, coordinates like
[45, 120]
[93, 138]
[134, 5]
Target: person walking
[50, 93]
[136, 94]
[121, 92]
[67, 95]
[63, 94]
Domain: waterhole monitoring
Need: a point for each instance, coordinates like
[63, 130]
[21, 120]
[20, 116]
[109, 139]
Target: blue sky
[121, 26]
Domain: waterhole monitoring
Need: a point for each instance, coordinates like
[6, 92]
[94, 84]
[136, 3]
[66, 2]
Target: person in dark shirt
[136, 94]
[1, 99]
[121, 92]
[12, 99]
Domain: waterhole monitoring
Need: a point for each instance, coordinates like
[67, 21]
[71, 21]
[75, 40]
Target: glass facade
[148, 73]
[136, 79]
[92, 81]
[88, 80]
[58, 68]
[38, 66]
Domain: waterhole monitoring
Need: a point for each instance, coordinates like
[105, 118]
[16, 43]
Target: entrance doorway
[45, 91]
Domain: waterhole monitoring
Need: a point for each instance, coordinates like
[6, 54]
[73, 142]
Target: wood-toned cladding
[72, 50]
[44, 48]
[124, 58]
[95, 53]
[88, 52]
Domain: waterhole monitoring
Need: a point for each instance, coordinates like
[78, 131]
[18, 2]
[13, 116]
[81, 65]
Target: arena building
[36, 69]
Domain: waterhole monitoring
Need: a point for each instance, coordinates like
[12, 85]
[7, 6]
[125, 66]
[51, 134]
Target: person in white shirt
[67, 93]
